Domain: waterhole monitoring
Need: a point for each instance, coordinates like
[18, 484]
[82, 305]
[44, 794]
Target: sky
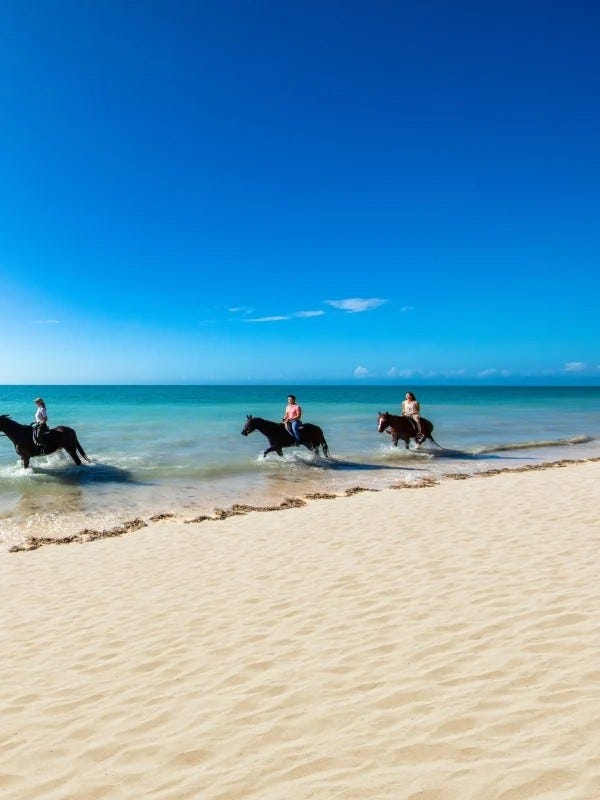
[340, 192]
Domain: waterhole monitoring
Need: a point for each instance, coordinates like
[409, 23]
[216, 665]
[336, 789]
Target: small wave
[392, 453]
[16, 473]
[292, 462]
[498, 448]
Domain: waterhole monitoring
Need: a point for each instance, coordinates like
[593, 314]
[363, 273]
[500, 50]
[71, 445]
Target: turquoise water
[178, 449]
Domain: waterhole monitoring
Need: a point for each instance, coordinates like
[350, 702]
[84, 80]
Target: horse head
[383, 420]
[249, 426]
[3, 418]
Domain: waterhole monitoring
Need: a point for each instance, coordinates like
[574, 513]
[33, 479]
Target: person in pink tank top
[292, 418]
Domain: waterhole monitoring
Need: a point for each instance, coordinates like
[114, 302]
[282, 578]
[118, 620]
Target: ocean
[178, 449]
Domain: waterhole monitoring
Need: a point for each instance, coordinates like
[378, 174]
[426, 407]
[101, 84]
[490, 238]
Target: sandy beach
[437, 643]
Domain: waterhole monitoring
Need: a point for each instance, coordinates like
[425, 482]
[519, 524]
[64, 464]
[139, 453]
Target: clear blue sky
[319, 191]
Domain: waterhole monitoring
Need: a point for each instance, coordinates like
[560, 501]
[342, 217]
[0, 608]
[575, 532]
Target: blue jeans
[294, 429]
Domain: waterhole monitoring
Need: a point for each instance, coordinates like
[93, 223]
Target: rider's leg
[295, 426]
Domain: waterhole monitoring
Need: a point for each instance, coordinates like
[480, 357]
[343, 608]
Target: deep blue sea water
[178, 449]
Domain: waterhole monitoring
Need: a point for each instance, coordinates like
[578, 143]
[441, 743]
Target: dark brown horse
[311, 436]
[402, 427]
[55, 439]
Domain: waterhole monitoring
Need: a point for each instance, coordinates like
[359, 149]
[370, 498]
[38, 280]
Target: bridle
[380, 423]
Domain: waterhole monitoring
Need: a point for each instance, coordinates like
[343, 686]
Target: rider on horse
[292, 418]
[40, 426]
[412, 409]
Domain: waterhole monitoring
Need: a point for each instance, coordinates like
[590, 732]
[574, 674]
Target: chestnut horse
[22, 438]
[311, 435]
[402, 427]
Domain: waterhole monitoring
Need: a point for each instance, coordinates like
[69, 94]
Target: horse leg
[25, 456]
[74, 456]
[274, 448]
[407, 442]
[395, 440]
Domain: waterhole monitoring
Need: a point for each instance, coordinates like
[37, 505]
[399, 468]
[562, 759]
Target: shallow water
[179, 449]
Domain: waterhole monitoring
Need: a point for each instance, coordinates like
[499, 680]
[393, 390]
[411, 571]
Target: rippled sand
[435, 644]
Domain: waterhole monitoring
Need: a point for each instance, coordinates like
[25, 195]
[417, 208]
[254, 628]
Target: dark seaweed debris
[86, 535]
[238, 509]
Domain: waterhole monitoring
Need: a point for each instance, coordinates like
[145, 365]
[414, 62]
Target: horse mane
[391, 416]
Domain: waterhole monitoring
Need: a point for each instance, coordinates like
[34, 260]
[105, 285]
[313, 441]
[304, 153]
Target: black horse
[22, 438]
[311, 436]
[404, 428]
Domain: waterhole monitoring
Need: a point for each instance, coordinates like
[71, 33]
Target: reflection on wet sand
[95, 473]
[49, 499]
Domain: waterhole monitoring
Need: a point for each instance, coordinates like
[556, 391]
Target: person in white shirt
[412, 409]
[40, 426]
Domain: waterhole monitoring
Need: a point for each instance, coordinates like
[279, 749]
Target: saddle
[39, 432]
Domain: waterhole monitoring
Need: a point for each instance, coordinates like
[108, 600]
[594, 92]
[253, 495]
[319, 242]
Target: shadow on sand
[465, 455]
[363, 466]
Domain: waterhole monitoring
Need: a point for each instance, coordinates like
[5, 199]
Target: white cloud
[574, 366]
[361, 372]
[356, 304]
[240, 310]
[404, 309]
[394, 372]
[280, 317]
[306, 314]
[266, 319]
[47, 322]
[485, 373]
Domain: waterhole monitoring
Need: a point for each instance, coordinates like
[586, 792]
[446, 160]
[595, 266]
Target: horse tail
[325, 446]
[79, 449]
[430, 436]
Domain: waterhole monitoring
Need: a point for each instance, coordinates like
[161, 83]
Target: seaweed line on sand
[86, 535]
[89, 535]
[486, 473]
[425, 481]
[238, 509]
